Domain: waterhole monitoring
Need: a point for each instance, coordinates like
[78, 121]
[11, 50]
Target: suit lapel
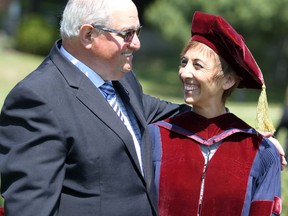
[128, 94]
[129, 98]
[91, 97]
[131, 102]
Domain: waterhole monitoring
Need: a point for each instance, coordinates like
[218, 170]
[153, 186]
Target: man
[64, 151]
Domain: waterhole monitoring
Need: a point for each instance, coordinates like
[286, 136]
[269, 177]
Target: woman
[221, 165]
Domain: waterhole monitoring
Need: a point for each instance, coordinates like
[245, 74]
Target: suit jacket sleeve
[29, 135]
[154, 108]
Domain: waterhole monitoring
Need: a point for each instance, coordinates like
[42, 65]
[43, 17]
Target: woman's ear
[229, 82]
[86, 35]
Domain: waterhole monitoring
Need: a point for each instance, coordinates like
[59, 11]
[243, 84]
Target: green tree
[254, 18]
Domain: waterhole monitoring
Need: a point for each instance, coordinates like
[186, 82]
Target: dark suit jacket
[65, 152]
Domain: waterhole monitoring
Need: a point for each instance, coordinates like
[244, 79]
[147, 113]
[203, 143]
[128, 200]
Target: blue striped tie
[131, 123]
[110, 95]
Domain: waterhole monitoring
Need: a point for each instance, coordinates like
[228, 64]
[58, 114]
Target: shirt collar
[92, 75]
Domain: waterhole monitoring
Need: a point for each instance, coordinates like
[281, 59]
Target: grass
[158, 77]
[14, 66]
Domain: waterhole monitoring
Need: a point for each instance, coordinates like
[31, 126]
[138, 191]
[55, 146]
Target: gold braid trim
[263, 121]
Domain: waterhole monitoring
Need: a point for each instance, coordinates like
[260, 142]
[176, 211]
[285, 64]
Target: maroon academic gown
[242, 178]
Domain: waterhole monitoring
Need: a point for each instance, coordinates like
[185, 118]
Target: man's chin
[121, 73]
[127, 69]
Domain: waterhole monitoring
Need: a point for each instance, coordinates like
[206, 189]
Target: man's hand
[281, 151]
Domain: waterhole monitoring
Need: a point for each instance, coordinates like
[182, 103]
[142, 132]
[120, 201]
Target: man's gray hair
[79, 12]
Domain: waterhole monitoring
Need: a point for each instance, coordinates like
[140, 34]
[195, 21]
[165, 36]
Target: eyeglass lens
[130, 34]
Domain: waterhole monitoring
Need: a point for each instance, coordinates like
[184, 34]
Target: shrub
[35, 35]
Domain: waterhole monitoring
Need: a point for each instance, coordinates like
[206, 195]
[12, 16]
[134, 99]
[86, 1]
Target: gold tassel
[263, 121]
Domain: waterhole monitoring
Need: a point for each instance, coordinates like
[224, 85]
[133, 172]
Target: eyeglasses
[126, 35]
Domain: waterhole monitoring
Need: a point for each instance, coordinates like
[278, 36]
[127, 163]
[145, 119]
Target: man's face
[113, 55]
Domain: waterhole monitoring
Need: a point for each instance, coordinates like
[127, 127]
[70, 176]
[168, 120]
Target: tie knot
[108, 90]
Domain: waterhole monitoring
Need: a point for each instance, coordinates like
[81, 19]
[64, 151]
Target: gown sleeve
[265, 182]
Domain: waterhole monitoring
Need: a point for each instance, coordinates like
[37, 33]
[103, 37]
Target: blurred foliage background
[261, 22]
[33, 26]
[29, 28]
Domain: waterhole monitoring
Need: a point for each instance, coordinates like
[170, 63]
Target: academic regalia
[219, 166]
[242, 178]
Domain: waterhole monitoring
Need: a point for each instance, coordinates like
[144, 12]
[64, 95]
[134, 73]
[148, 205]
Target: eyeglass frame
[127, 35]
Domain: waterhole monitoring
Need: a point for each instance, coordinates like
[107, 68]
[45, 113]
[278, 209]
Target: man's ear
[229, 81]
[86, 35]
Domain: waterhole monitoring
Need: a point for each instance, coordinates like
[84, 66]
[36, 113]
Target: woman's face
[200, 72]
